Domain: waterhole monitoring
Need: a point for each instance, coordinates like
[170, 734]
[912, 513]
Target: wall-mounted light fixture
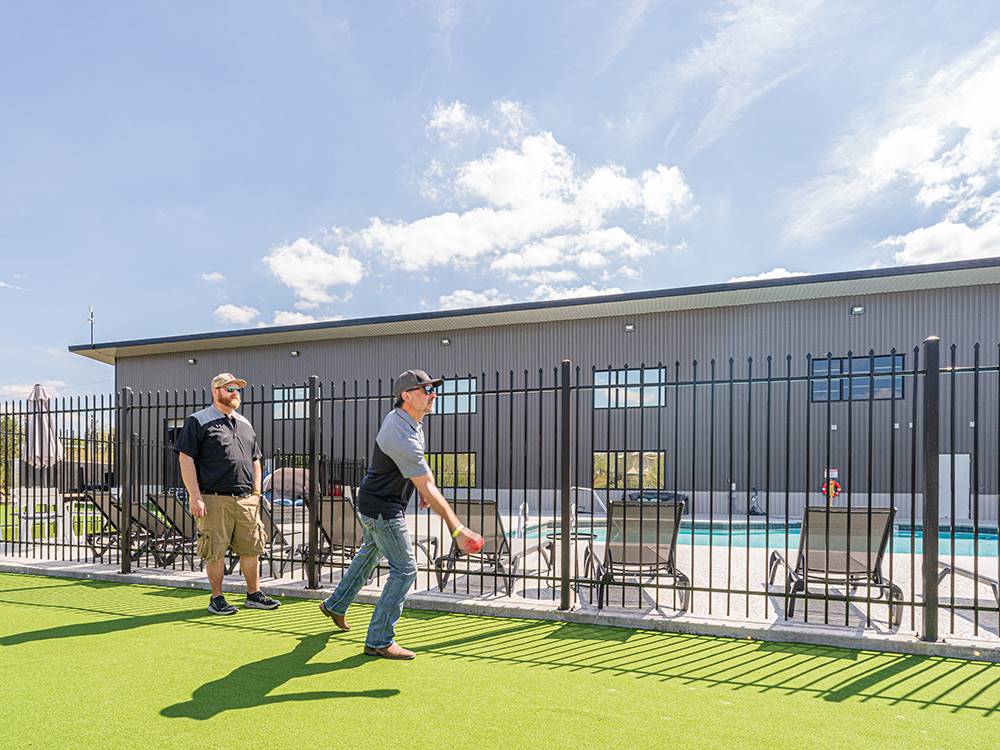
[858, 310]
[630, 328]
[445, 342]
[192, 361]
[293, 353]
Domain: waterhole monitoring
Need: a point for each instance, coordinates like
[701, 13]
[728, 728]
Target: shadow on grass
[802, 671]
[101, 627]
[250, 685]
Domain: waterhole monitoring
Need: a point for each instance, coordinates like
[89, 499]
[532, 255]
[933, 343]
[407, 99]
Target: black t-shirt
[223, 448]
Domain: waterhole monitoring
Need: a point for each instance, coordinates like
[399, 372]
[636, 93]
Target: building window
[456, 396]
[453, 469]
[618, 470]
[290, 403]
[857, 378]
[619, 389]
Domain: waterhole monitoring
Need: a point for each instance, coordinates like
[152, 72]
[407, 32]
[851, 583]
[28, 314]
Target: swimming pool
[758, 535]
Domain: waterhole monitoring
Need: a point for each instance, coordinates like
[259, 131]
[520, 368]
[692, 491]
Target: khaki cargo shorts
[230, 522]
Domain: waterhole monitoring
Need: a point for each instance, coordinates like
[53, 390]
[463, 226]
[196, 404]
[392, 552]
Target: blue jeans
[387, 538]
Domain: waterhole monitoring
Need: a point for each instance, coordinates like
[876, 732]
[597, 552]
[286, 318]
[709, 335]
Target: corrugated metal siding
[899, 320]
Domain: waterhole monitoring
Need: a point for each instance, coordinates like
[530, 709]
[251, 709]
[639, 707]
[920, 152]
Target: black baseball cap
[412, 379]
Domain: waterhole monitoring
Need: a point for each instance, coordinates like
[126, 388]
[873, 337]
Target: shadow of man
[250, 685]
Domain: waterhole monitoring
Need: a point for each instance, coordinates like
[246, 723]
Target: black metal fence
[859, 489]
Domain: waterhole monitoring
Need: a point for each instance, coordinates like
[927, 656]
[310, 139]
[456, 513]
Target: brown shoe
[392, 651]
[339, 620]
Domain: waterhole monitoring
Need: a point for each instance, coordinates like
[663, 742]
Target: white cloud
[665, 194]
[621, 33]
[774, 273]
[752, 47]
[5, 285]
[23, 390]
[55, 351]
[310, 271]
[213, 278]
[544, 277]
[589, 250]
[627, 272]
[236, 314]
[452, 122]
[947, 241]
[290, 318]
[548, 292]
[463, 298]
[524, 209]
[938, 138]
[526, 199]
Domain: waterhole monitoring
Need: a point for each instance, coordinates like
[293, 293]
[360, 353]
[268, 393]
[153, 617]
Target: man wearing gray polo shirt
[398, 466]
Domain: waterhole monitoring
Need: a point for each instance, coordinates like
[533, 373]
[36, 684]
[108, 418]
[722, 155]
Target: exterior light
[192, 361]
[445, 342]
[629, 327]
[858, 310]
[293, 353]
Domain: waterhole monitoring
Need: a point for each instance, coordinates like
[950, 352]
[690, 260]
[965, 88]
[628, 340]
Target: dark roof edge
[874, 273]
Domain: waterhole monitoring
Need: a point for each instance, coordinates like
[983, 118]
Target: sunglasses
[428, 389]
[232, 389]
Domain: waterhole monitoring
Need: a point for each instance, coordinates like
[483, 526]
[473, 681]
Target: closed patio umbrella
[42, 449]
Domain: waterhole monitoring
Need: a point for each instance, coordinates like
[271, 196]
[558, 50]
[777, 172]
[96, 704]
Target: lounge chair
[174, 509]
[841, 546]
[343, 535]
[148, 532]
[641, 544]
[483, 516]
[977, 578]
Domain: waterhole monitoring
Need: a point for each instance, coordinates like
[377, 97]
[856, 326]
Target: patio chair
[175, 512]
[954, 570]
[173, 508]
[641, 544]
[148, 532]
[343, 535]
[484, 516]
[841, 546]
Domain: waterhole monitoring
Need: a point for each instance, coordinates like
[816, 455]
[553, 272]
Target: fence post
[312, 581]
[931, 421]
[564, 479]
[124, 475]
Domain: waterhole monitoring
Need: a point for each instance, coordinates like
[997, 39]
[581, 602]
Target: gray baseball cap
[411, 379]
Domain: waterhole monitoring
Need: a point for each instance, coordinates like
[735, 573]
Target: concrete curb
[801, 633]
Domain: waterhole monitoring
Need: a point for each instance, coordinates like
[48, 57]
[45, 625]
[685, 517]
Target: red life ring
[831, 489]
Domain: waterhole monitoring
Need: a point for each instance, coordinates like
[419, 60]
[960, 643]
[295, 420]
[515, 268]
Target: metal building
[775, 384]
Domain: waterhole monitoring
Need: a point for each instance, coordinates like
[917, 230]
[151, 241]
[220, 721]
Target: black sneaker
[260, 600]
[219, 606]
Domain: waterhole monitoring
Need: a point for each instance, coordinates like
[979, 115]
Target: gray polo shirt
[398, 455]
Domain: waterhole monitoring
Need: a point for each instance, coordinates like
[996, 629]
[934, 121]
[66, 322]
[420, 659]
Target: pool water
[721, 536]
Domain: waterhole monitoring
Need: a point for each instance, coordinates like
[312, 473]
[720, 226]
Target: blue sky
[193, 167]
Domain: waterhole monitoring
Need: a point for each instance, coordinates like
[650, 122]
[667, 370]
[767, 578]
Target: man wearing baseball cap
[398, 466]
[220, 465]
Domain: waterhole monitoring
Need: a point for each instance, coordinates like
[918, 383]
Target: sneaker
[219, 606]
[260, 600]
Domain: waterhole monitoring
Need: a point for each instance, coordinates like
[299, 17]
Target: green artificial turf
[107, 665]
